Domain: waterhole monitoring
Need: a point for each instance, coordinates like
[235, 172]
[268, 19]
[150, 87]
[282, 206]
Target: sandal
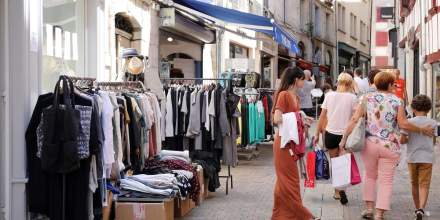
[367, 214]
[377, 217]
[336, 197]
[419, 213]
[344, 199]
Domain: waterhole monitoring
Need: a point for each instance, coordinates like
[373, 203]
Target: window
[368, 34]
[353, 24]
[327, 25]
[341, 17]
[237, 51]
[303, 12]
[317, 23]
[63, 40]
[363, 32]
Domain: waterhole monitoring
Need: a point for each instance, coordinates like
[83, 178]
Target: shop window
[436, 91]
[237, 51]
[63, 40]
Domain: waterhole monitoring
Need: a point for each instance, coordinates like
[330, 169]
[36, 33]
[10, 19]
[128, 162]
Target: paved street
[252, 196]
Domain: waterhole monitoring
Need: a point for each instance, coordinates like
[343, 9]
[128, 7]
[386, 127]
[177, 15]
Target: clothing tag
[291, 152]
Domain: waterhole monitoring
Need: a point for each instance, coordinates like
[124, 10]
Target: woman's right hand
[428, 131]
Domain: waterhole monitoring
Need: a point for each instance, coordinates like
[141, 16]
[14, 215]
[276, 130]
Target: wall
[144, 18]
[361, 9]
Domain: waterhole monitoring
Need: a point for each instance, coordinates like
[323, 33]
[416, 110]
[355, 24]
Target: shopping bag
[322, 166]
[309, 182]
[341, 171]
[355, 175]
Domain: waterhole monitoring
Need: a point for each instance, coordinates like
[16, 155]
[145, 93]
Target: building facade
[354, 25]
[419, 50]
[383, 35]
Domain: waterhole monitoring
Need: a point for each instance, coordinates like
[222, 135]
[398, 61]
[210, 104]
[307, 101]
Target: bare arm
[278, 117]
[403, 123]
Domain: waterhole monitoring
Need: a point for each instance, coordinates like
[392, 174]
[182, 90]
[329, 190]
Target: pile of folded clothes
[170, 174]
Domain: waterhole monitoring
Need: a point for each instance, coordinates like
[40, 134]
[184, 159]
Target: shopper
[385, 115]
[371, 75]
[361, 83]
[305, 93]
[287, 196]
[337, 109]
[420, 153]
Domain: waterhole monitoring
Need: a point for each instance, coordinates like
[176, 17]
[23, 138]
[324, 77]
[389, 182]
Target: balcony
[329, 3]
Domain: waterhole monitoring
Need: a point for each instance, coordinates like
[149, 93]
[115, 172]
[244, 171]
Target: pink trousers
[380, 164]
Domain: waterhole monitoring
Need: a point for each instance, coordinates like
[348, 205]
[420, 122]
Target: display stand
[229, 177]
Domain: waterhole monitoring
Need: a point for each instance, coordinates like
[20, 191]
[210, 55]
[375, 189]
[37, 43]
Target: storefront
[436, 90]
[181, 44]
[346, 55]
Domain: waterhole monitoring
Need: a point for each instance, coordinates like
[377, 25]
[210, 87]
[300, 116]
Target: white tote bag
[341, 171]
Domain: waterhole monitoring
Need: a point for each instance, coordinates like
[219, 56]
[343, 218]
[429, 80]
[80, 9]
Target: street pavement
[252, 195]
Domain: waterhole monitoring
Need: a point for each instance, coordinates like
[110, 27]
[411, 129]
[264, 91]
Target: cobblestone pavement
[252, 195]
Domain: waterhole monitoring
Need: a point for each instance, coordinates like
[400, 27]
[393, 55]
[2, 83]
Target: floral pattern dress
[382, 109]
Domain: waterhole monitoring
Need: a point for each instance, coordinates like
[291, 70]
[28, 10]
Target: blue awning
[283, 37]
[246, 20]
[227, 15]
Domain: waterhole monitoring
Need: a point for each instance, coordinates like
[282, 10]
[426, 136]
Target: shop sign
[240, 64]
[167, 17]
[283, 39]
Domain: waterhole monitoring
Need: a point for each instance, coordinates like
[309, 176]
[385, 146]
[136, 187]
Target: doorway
[416, 80]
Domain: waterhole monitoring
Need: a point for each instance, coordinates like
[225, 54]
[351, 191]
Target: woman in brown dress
[287, 197]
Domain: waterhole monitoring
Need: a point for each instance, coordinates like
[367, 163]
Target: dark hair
[383, 80]
[326, 87]
[288, 78]
[372, 74]
[421, 103]
[358, 71]
[349, 71]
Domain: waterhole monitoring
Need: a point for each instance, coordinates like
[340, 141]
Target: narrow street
[252, 196]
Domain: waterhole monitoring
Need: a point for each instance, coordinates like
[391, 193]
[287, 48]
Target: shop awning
[234, 17]
[231, 16]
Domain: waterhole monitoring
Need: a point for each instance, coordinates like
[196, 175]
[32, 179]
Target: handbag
[355, 174]
[322, 166]
[61, 128]
[309, 182]
[341, 171]
[356, 140]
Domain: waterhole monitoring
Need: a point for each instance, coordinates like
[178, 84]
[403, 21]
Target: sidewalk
[252, 195]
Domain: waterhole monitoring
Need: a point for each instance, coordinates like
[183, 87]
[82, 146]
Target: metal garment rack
[126, 84]
[229, 177]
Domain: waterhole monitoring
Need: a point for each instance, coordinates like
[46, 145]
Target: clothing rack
[129, 84]
[229, 177]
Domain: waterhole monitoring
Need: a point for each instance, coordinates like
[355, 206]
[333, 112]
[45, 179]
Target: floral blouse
[381, 124]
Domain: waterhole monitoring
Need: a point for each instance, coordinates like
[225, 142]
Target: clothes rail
[130, 84]
[213, 79]
[229, 177]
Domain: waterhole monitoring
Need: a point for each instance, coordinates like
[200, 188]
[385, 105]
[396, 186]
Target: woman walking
[287, 198]
[337, 110]
[385, 115]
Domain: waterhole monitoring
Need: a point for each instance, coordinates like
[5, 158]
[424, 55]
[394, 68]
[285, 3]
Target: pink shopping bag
[355, 174]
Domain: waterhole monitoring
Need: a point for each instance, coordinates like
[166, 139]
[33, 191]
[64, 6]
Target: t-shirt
[400, 88]
[340, 107]
[420, 148]
[362, 85]
[305, 94]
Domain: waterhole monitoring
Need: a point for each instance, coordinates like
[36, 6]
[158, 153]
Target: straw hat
[135, 66]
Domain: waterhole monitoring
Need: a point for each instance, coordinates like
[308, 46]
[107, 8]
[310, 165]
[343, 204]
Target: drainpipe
[371, 27]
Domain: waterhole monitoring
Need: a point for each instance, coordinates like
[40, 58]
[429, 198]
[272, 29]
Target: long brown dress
[287, 197]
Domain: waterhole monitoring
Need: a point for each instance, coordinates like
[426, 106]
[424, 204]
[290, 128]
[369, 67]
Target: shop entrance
[266, 69]
[126, 29]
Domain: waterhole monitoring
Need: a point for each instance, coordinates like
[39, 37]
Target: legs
[420, 180]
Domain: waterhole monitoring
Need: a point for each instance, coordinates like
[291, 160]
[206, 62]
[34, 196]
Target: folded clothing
[133, 185]
[181, 154]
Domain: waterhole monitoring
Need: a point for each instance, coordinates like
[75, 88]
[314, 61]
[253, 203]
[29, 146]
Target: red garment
[299, 149]
[266, 109]
[400, 88]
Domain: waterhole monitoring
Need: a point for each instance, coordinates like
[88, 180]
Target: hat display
[130, 52]
[135, 66]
